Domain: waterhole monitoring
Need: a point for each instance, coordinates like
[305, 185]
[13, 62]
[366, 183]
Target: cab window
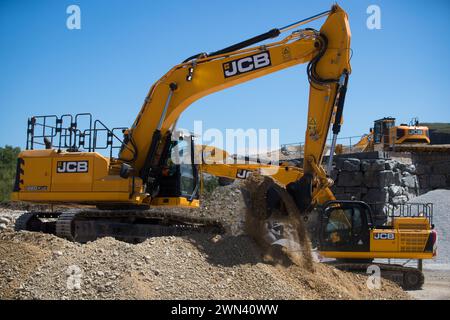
[342, 224]
[187, 181]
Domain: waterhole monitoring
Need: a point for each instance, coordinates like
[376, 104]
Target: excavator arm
[327, 53]
[233, 169]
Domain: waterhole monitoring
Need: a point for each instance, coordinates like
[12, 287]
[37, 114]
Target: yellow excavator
[386, 136]
[65, 163]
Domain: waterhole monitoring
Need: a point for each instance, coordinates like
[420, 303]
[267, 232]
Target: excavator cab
[179, 174]
[348, 231]
[381, 130]
[345, 226]
[387, 135]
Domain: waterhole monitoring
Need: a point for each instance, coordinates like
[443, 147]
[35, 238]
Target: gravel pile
[223, 204]
[199, 266]
[8, 218]
[441, 220]
[40, 266]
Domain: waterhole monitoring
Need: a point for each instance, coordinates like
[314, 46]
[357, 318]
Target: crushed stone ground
[41, 266]
[199, 266]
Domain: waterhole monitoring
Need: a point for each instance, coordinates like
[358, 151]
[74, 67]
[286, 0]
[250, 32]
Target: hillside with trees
[439, 132]
[8, 160]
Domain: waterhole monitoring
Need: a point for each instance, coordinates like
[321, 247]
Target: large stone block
[365, 165]
[410, 168]
[378, 165]
[373, 165]
[356, 192]
[399, 199]
[391, 165]
[409, 181]
[349, 179]
[343, 196]
[351, 165]
[377, 179]
[370, 179]
[348, 164]
[395, 191]
[397, 178]
[411, 193]
[386, 178]
[377, 196]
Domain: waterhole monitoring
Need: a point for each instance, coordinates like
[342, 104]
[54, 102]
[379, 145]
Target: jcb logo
[243, 174]
[72, 167]
[247, 64]
[383, 236]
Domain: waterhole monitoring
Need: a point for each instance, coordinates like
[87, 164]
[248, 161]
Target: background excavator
[147, 172]
[386, 136]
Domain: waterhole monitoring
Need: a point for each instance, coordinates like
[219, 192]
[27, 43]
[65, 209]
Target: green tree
[8, 162]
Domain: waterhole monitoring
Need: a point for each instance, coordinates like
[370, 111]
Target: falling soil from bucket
[279, 231]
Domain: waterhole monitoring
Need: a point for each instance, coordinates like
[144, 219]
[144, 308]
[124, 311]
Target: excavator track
[85, 225]
[22, 222]
[64, 225]
[32, 221]
[406, 277]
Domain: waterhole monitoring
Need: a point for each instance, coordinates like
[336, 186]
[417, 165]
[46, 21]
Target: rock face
[432, 170]
[350, 179]
[387, 180]
[376, 181]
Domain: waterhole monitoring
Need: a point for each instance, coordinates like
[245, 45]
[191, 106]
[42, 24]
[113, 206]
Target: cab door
[345, 226]
[180, 176]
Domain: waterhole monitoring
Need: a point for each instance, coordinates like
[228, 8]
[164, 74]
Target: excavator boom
[328, 55]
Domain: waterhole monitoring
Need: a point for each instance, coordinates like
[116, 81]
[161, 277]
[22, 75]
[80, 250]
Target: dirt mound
[40, 266]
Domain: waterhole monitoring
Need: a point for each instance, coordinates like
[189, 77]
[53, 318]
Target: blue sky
[107, 67]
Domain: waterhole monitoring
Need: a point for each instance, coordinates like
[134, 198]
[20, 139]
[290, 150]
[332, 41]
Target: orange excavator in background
[386, 136]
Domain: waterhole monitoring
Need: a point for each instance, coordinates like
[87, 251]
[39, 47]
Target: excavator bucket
[274, 221]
